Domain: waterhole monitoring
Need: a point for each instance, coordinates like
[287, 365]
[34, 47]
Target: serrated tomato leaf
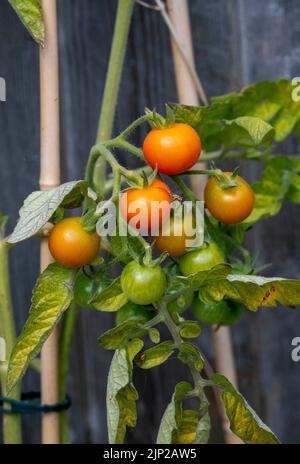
[121, 394]
[31, 14]
[254, 291]
[111, 298]
[40, 206]
[179, 425]
[244, 422]
[156, 355]
[119, 336]
[52, 296]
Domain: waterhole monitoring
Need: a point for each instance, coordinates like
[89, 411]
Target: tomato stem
[100, 150]
[65, 343]
[174, 330]
[111, 88]
[12, 433]
[126, 146]
[133, 126]
[185, 190]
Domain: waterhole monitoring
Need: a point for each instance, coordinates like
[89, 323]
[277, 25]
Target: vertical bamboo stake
[49, 178]
[187, 95]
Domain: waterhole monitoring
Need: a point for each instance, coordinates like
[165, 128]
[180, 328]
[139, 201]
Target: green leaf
[179, 426]
[154, 335]
[254, 291]
[270, 100]
[245, 132]
[119, 248]
[40, 206]
[190, 329]
[156, 355]
[118, 336]
[203, 430]
[202, 278]
[267, 101]
[168, 425]
[244, 422]
[121, 394]
[293, 193]
[190, 355]
[109, 299]
[52, 295]
[31, 14]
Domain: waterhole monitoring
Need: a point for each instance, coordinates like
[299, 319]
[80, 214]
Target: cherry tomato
[201, 259]
[83, 290]
[134, 312]
[173, 149]
[225, 312]
[143, 285]
[138, 207]
[231, 205]
[172, 238]
[70, 245]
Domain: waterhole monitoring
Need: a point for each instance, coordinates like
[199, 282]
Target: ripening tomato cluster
[171, 151]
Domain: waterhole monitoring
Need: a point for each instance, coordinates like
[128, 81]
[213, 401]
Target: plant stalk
[65, 344]
[112, 83]
[12, 433]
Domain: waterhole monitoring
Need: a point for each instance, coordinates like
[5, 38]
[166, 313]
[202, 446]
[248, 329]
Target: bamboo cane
[49, 178]
[187, 94]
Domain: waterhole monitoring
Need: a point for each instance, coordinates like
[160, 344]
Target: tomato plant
[156, 277]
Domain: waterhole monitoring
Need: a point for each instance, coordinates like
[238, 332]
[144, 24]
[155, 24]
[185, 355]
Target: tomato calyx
[157, 121]
[226, 181]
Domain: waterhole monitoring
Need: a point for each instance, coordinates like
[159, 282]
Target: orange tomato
[140, 202]
[172, 149]
[72, 246]
[172, 239]
[231, 205]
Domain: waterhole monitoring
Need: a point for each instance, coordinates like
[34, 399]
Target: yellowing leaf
[31, 14]
[52, 295]
[244, 422]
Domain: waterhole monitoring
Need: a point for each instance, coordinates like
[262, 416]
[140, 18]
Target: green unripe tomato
[134, 312]
[143, 285]
[201, 259]
[83, 290]
[225, 312]
[181, 303]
